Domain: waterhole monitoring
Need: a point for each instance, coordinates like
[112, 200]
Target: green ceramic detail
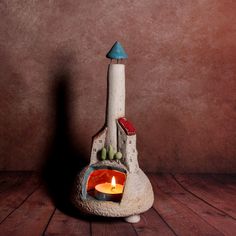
[103, 154]
[111, 153]
[118, 155]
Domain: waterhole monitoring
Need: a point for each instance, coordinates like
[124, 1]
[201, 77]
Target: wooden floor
[184, 205]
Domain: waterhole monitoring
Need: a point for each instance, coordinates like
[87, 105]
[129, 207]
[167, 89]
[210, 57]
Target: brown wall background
[180, 80]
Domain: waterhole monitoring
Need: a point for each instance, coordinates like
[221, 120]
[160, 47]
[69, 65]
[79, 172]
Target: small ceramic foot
[133, 219]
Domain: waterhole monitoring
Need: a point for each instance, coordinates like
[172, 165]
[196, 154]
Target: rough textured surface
[97, 144]
[180, 78]
[137, 196]
[127, 146]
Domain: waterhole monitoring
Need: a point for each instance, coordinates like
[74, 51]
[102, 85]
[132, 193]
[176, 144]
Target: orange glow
[105, 176]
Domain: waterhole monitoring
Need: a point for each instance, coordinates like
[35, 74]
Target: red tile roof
[127, 126]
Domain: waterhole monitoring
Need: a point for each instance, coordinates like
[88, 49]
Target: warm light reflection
[113, 182]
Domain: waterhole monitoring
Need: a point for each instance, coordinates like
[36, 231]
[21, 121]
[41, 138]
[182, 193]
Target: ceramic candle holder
[114, 154]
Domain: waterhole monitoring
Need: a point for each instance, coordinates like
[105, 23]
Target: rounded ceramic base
[132, 219]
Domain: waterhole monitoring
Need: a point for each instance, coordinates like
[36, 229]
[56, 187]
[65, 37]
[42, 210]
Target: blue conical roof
[117, 52]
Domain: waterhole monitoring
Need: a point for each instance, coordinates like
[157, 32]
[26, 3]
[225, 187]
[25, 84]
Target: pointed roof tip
[117, 52]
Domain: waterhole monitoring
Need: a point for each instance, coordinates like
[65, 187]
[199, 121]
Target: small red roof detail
[127, 126]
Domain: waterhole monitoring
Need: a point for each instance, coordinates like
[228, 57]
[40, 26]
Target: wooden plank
[179, 217]
[151, 224]
[31, 217]
[211, 192]
[12, 197]
[216, 183]
[11, 182]
[228, 180]
[114, 227]
[62, 224]
[225, 178]
[221, 221]
[10, 179]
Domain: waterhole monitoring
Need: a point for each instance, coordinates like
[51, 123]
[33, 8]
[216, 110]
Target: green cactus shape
[111, 152]
[118, 155]
[103, 154]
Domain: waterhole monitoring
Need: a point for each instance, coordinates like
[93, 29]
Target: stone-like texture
[137, 196]
[180, 78]
[97, 144]
[127, 146]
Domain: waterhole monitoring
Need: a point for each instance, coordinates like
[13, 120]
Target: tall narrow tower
[116, 93]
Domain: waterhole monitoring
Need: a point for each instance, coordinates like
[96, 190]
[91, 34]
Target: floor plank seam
[195, 195]
[194, 211]
[20, 204]
[188, 208]
[172, 230]
[135, 231]
[49, 220]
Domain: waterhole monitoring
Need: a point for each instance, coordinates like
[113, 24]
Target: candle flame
[113, 182]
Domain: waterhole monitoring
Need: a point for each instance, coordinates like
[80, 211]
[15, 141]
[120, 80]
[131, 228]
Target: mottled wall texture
[180, 80]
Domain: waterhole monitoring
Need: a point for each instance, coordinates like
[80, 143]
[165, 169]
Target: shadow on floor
[64, 160]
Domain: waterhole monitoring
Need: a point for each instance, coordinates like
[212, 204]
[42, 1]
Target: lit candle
[109, 191]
